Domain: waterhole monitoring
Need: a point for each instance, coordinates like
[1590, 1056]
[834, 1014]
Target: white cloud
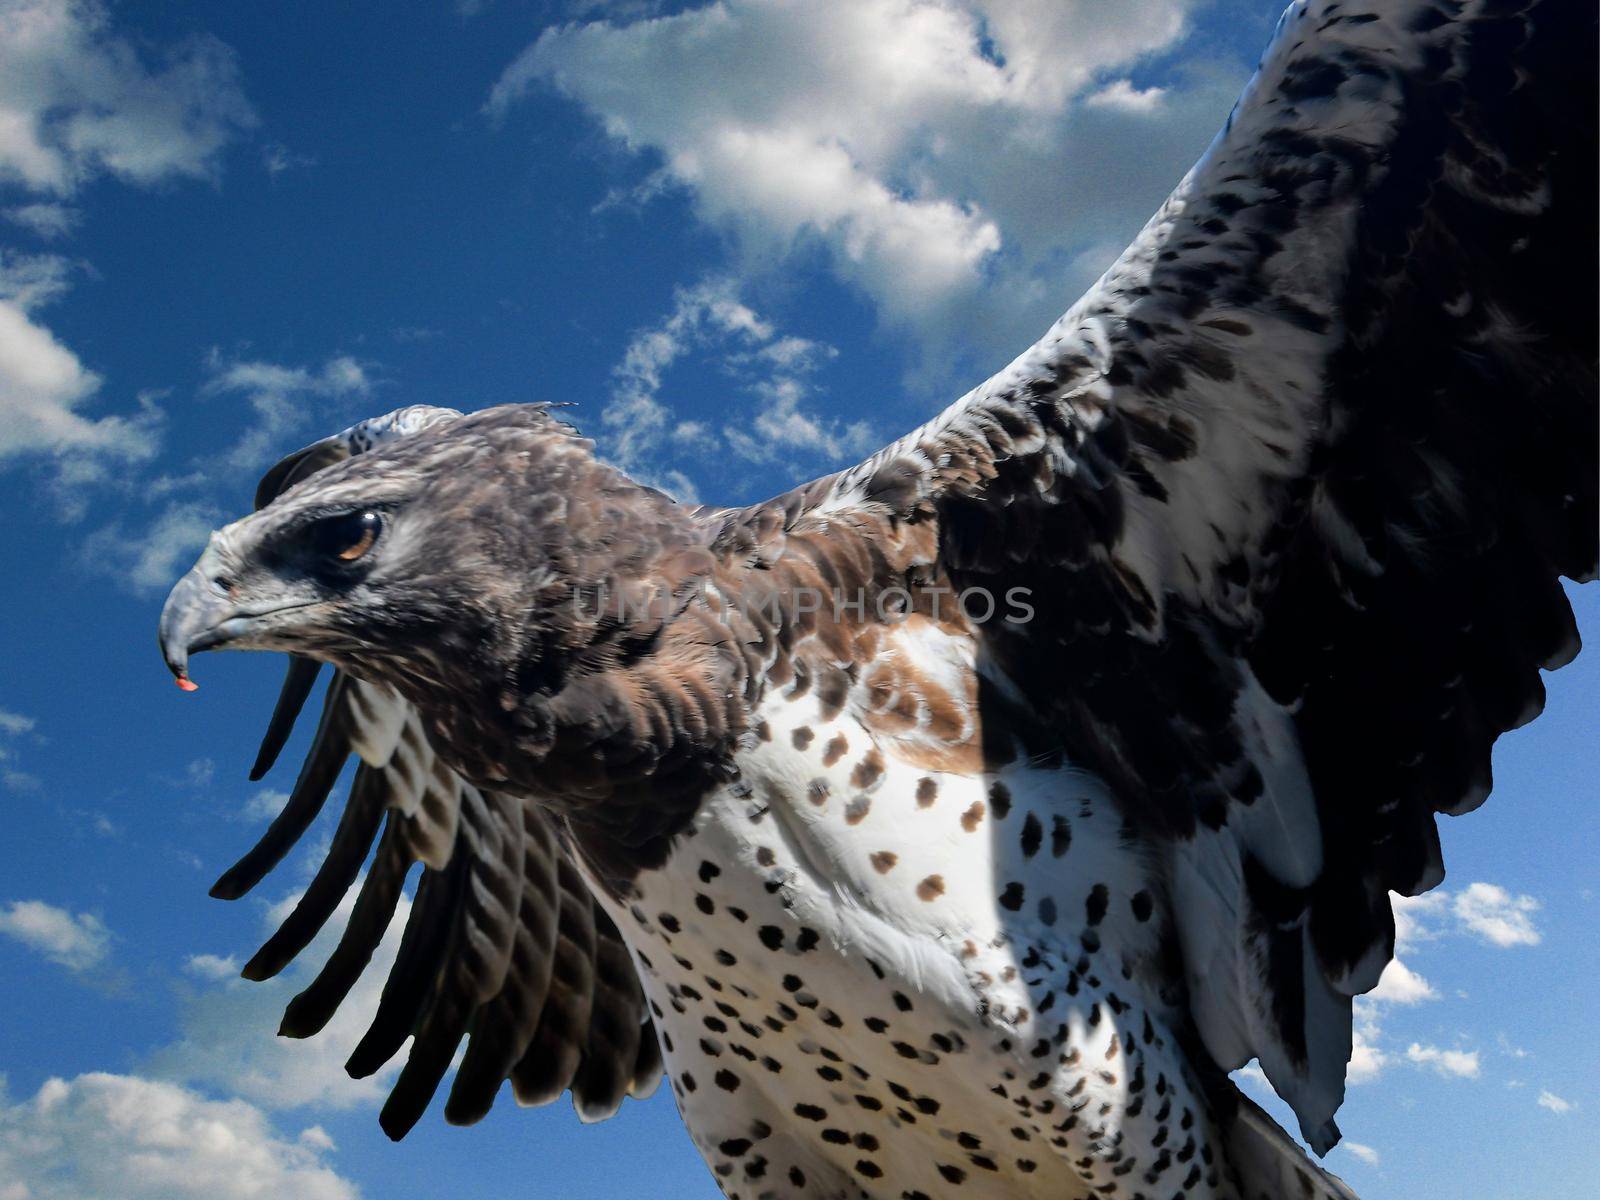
[15, 724]
[45, 219]
[646, 437]
[783, 426]
[230, 1026]
[122, 1137]
[1362, 1151]
[149, 560]
[1401, 985]
[78, 943]
[1367, 1057]
[636, 419]
[1462, 1064]
[316, 1137]
[1482, 910]
[1548, 1099]
[1496, 916]
[1509, 1049]
[1413, 915]
[276, 158]
[952, 158]
[282, 399]
[264, 805]
[213, 968]
[1252, 1074]
[44, 385]
[77, 100]
[1122, 94]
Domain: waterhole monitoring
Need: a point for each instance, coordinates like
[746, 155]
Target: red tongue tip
[187, 684]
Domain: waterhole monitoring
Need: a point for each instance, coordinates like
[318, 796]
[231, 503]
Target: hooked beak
[200, 614]
[191, 620]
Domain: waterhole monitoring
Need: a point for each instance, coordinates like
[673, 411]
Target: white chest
[849, 959]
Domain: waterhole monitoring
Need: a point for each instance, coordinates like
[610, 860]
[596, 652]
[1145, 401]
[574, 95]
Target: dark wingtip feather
[297, 684]
[358, 824]
[375, 904]
[503, 1028]
[648, 1068]
[553, 1057]
[611, 1050]
[394, 1125]
[413, 978]
[430, 1058]
[322, 766]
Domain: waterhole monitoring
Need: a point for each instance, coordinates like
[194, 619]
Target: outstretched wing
[503, 945]
[1293, 487]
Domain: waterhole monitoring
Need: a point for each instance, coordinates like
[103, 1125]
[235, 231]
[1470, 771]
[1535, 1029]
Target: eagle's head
[451, 564]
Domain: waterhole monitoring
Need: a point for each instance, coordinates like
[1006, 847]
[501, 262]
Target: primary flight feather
[954, 823]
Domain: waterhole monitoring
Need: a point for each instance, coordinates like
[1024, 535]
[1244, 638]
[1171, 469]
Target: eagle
[955, 823]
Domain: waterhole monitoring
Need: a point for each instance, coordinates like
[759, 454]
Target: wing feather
[611, 1052]
[552, 1058]
[297, 685]
[358, 825]
[369, 920]
[330, 748]
[474, 972]
[425, 948]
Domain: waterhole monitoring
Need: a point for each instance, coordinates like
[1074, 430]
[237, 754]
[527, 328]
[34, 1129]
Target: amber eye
[347, 537]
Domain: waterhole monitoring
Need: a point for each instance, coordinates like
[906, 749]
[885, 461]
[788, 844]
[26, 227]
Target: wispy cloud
[282, 399]
[263, 805]
[15, 724]
[1362, 1151]
[78, 942]
[44, 219]
[1553, 1102]
[199, 773]
[276, 158]
[146, 560]
[1496, 916]
[645, 435]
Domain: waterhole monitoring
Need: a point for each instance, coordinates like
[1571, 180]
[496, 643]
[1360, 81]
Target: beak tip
[183, 615]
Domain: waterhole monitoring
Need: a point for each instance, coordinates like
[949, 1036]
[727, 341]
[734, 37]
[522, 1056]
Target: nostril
[222, 583]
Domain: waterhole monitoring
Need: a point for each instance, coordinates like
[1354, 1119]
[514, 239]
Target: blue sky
[750, 242]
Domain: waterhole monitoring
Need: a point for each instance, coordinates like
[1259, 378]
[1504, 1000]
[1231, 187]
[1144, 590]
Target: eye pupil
[348, 537]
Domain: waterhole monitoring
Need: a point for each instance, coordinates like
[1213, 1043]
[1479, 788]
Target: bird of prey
[953, 824]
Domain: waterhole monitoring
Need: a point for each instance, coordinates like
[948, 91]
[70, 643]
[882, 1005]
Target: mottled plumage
[954, 823]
